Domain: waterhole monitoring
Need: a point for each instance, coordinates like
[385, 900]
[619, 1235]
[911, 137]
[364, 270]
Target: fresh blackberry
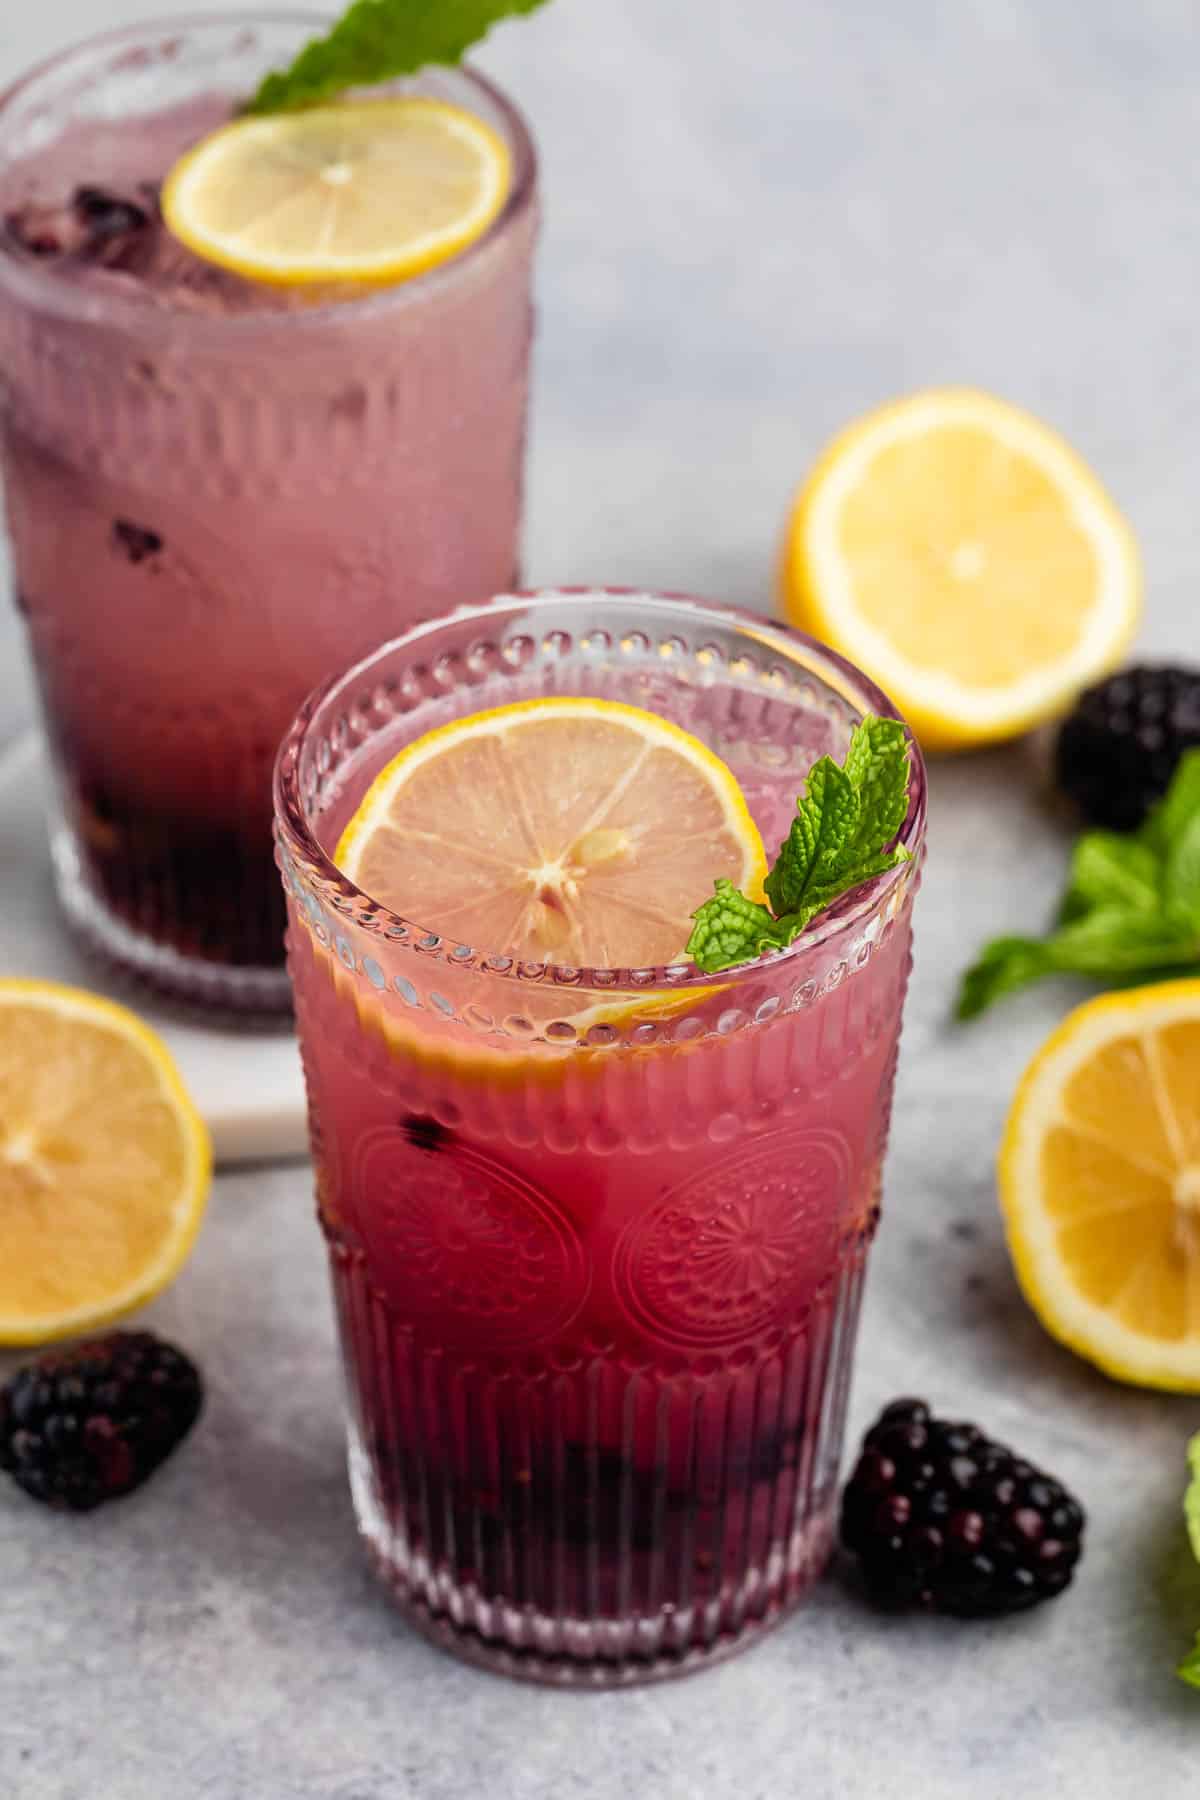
[1117, 751]
[86, 1425]
[941, 1517]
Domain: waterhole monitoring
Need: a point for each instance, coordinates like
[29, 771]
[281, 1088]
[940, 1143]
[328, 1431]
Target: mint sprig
[842, 836]
[1191, 1498]
[380, 40]
[1131, 911]
[1189, 1668]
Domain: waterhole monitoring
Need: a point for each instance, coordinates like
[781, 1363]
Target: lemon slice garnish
[368, 192]
[573, 831]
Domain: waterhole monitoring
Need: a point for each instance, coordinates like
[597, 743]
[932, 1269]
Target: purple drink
[597, 1237]
[219, 491]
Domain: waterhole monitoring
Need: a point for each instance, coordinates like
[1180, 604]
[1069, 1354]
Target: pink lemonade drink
[220, 491]
[597, 1236]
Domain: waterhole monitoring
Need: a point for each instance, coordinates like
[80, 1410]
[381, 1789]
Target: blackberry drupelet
[941, 1517]
[1117, 751]
[88, 1424]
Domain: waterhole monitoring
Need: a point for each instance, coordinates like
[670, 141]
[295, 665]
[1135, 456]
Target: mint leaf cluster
[380, 40]
[1189, 1668]
[842, 836]
[1131, 911]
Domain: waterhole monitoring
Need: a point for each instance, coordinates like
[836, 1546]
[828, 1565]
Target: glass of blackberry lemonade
[227, 475]
[597, 1221]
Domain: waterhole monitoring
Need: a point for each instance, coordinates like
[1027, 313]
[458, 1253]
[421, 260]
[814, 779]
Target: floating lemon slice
[561, 830]
[104, 1163]
[968, 559]
[1100, 1183]
[369, 192]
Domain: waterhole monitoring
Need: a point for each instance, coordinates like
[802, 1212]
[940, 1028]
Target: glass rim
[296, 837]
[37, 286]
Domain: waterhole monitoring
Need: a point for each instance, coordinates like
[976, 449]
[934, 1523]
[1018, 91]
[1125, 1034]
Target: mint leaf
[1111, 943]
[1131, 911]
[843, 817]
[1002, 967]
[1178, 807]
[730, 929]
[1189, 1668]
[380, 40]
[845, 821]
[1172, 833]
[1111, 869]
[852, 875]
[826, 821]
[1181, 883]
[877, 764]
[1191, 1498]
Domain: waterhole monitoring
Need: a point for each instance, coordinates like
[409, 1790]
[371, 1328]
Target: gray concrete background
[760, 220]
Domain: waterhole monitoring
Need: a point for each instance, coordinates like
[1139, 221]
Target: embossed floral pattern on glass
[597, 1236]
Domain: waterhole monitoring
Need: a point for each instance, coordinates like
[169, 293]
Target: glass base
[215, 987]
[564, 1650]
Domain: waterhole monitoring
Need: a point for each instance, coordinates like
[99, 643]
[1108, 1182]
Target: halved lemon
[560, 830]
[1100, 1184]
[370, 192]
[104, 1163]
[964, 555]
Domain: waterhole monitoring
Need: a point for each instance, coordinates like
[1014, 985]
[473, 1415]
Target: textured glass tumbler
[212, 508]
[597, 1236]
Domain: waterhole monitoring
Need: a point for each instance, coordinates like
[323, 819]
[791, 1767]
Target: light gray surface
[761, 220]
